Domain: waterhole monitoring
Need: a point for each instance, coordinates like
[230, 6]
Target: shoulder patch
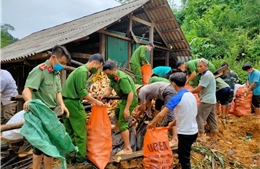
[43, 66]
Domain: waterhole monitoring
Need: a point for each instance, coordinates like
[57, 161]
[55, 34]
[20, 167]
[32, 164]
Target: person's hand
[63, 109]
[25, 106]
[171, 124]
[99, 103]
[100, 97]
[246, 92]
[151, 126]
[126, 114]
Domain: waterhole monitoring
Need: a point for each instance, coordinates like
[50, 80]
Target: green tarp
[45, 132]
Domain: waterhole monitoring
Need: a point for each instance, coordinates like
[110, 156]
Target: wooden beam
[167, 58]
[163, 21]
[158, 7]
[114, 35]
[63, 77]
[80, 55]
[69, 68]
[141, 21]
[76, 62]
[129, 53]
[156, 27]
[151, 32]
[170, 31]
[102, 45]
[82, 39]
[12, 61]
[130, 26]
[37, 56]
[177, 41]
[7, 127]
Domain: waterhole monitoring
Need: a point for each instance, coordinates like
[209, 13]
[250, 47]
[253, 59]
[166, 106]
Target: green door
[116, 50]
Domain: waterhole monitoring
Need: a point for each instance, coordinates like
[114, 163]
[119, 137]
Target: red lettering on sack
[159, 146]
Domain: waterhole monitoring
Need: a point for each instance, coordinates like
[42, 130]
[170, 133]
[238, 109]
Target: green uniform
[123, 86]
[158, 79]
[192, 65]
[73, 92]
[137, 60]
[46, 85]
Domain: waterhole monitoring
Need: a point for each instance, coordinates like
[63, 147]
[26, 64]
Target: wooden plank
[170, 31]
[102, 45]
[114, 35]
[141, 21]
[137, 154]
[80, 55]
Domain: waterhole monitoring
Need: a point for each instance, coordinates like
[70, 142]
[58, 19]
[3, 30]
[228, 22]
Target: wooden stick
[7, 127]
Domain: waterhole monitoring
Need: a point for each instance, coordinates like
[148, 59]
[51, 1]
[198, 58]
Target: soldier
[125, 89]
[73, 92]
[138, 59]
[194, 75]
[43, 83]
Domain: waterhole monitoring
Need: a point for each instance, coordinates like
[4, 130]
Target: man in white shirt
[8, 90]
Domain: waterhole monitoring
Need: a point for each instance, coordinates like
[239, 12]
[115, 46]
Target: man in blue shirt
[253, 83]
[185, 110]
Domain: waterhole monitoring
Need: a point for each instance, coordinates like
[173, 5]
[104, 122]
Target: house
[115, 33]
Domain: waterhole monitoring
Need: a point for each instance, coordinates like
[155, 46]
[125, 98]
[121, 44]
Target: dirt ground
[238, 146]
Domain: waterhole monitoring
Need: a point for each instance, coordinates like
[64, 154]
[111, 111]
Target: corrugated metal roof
[67, 32]
[157, 10]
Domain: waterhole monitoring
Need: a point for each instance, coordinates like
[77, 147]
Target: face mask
[149, 49]
[93, 70]
[111, 76]
[58, 67]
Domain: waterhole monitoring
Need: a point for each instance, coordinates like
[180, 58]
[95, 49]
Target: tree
[6, 37]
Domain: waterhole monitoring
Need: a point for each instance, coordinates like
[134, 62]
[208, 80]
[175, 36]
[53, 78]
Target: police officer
[43, 83]
[73, 92]
[125, 89]
[138, 59]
